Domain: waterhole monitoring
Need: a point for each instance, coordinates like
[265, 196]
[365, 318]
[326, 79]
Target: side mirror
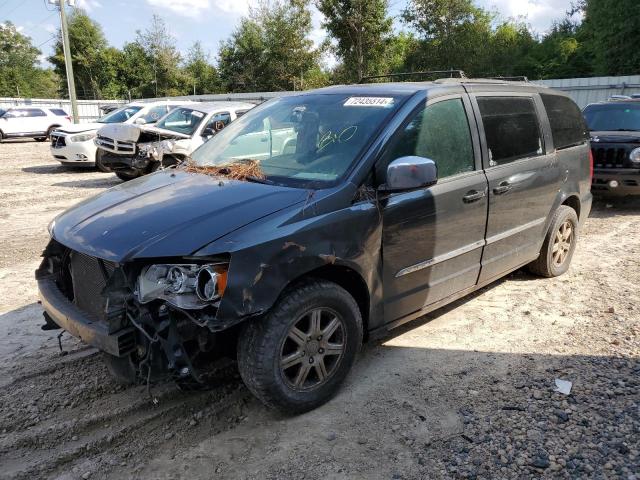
[140, 121]
[410, 173]
[207, 132]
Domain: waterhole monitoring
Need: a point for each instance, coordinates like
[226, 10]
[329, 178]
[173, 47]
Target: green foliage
[87, 43]
[361, 29]
[611, 34]
[270, 50]
[20, 74]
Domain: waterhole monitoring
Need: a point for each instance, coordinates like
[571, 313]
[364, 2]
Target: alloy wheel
[313, 348]
[562, 243]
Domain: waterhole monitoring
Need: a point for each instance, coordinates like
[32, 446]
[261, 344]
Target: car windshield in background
[120, 115]
[182, 120]
[2, 112]
[613, 117]
[302, 141]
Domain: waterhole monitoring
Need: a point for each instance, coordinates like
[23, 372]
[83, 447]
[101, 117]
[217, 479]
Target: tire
[126, 176]
[48, 135]
[99, 165]
[265, 342]
[559, 245]
[122, 369]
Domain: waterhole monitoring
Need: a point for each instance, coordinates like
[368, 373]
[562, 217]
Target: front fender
[268, 256]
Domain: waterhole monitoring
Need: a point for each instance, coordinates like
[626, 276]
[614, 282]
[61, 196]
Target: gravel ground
[466, 392]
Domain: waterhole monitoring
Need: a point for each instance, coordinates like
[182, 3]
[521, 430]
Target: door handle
[473, 196]
[501, 189]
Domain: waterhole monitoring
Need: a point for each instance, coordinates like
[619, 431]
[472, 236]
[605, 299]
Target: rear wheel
[48, 135]
[559, 244]
[296, 358]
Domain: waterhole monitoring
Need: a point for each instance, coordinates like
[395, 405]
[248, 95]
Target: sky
[211, 21]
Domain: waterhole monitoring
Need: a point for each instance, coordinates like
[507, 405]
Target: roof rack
[402, 76]
[516, 78]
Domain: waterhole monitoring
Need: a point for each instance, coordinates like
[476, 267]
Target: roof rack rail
[516, 78]
[431, 73]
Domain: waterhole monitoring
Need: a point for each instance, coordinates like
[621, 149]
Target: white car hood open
[122, 132]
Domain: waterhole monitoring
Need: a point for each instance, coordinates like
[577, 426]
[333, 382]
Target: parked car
[360, 208]
[32, 122]
[615, 143]
[133, 151]
[73, 145]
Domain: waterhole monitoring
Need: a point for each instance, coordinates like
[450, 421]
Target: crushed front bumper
[67, 316]
[619, 181]
[125, 163]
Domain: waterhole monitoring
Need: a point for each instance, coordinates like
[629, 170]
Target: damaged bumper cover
[70, 318]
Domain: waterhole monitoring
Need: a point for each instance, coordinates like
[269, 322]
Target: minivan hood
[615, 137]
[168, 214]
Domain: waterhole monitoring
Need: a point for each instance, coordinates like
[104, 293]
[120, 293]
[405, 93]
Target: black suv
[317, 220]
[615, 143]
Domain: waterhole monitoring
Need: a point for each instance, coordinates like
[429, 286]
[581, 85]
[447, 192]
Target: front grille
[610, 157]
[115, 145]
[89, 277]
[58, 141]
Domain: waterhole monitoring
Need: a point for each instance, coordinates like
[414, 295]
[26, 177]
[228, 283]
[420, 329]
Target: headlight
[188, 286]
[635, 156]
[83, 137]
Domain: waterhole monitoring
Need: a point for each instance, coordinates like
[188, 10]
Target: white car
[73, 145]
[32, 122]
[131, 150]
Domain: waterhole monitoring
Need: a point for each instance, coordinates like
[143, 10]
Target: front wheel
[125, 176]
[559, 244]
[99, 165]
[296, 358]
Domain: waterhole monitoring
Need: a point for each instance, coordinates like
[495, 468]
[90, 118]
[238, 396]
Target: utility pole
[67, 58]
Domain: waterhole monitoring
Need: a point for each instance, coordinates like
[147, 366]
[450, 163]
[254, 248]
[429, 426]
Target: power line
[14, 9]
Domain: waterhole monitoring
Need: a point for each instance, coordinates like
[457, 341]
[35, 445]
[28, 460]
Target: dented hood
[167, 214]
[79, 127]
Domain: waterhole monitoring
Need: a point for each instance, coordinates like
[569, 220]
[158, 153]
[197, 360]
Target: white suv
[32, 122]
[73, 145]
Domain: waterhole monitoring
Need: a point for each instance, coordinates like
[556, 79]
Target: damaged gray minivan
[315, 221]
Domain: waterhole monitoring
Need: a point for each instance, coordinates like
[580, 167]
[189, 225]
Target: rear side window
[567, 123]
[439, 132]
[511, 128]
[59, 112]
[35, 112]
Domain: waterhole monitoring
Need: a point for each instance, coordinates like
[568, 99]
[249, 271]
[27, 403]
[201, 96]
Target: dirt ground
[467, 392]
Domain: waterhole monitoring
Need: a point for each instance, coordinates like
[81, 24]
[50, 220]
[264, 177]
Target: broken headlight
[188, 286]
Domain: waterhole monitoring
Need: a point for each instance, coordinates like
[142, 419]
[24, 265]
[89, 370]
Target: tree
[156, 47]
[454, 33]
[202, 75]
[361, 29]
[270, 50]
[610, 33]
[88, 45]
[20, 75]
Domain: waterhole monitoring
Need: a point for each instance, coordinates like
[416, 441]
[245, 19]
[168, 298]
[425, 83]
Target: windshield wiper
[253, 179]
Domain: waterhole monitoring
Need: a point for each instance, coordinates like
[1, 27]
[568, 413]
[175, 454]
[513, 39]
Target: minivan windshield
[181, 120]
[121, 115]
[306, 141]
[613, 117]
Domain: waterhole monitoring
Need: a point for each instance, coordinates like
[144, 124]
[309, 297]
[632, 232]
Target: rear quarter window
[59, 112]
[567, 123]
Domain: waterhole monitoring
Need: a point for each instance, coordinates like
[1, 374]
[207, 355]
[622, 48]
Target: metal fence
[595, 89]
[583, 90]
[88, 110]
